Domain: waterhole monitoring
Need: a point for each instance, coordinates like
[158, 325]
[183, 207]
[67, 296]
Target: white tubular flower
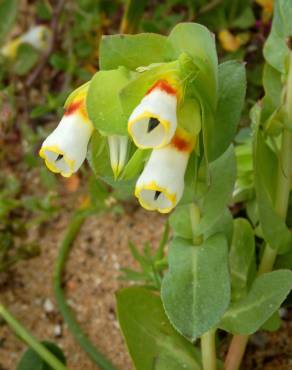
[161, 184]
[118, 146]
[65, 148]
[38, 37]
[153, 122]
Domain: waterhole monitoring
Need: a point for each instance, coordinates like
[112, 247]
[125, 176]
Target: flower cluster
[153, 124]
[162, 106]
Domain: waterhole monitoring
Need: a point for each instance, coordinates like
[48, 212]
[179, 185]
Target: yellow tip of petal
[155, 187]
[51, 165]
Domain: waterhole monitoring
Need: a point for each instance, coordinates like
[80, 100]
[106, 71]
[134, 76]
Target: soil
[91, 281]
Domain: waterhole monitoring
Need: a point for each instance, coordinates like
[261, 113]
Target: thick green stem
[65, 310]
[31, 341]
[195, 217]
[267, 260]
[208, 348]
[239, 342]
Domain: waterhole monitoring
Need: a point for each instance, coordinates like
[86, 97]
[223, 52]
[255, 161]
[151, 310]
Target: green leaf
[284, 261]
[274, 228]
[103, 103]
[98, 156]
[196, 41]
[152, 342]
[227, 14]
[246, 18]
[180, 222]
[241, 257]
[8, 12]
[189, 116]
[196, 290]
[276, 49]
[218, 194]
[131, 51]
[273, 89]
[135, 164]
[232, 87]
[273, 323]
[31, 360]
[26, 58]
[264, 298]
[224, 225]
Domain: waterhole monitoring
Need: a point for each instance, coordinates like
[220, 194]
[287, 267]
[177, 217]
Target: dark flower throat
[153, 123]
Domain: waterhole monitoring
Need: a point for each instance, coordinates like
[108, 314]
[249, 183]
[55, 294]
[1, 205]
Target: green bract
[103, 103]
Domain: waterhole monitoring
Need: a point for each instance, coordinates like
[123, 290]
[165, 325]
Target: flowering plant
[158, 121]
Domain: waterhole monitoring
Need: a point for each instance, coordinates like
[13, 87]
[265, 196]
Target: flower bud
[161, 184]
[65, 148]
[153, 122]
[118, 146]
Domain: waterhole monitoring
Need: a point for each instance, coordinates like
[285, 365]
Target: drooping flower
[118, 146]
[38, 37]
[64, 150]
[161, 184]
[153, 122]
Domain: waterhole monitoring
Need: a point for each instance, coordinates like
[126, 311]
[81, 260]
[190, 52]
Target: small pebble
[259, 339]
[283, 312]
[57, 331]
[48, 305]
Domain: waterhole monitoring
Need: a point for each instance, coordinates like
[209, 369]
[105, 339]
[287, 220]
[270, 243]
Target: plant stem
[31, 341]
[239, 342]
[195, 217]
[235, 352]
[208, 348]
[80, 336]
[132, 15]
[267, 260]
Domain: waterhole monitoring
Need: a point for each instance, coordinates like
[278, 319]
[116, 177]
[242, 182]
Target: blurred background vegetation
[34, 84]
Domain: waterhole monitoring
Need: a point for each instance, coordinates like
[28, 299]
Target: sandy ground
[91, 280]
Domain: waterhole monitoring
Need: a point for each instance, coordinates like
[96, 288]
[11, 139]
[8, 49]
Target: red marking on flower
[163, 86]
[73, 107]
[181, 144]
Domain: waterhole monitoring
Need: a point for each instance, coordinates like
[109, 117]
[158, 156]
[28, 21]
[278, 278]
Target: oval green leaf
[196, 289]
[152, 342]
[264, 298]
